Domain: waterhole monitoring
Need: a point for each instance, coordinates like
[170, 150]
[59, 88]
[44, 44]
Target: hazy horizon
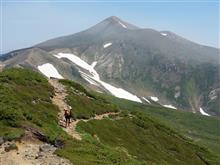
[24, 24]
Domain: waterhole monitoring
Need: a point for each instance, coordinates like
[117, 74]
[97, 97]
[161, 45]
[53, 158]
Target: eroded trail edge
[30, 153]
[59, 100]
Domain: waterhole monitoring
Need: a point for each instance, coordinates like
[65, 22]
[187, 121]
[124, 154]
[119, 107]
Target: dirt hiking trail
[31, 151]
[59, 100]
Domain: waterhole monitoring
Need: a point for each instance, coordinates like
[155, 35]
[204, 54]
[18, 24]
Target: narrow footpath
[59, 100]
[31, 151]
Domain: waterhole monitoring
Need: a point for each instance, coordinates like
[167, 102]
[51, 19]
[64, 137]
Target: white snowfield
[94, 64]
[154, 98]
[75, 59]
[123, 25]
[49, 71]
[163, 34]
[203, 112]
[146, 100]
[107, 45]
[170, 106]
[118, 92]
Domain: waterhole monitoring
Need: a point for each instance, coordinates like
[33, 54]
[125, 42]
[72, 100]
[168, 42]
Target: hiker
[67, 115]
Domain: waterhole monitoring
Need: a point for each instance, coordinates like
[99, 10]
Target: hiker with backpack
[67, 115]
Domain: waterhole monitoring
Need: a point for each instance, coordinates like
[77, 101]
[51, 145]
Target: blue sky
[24, 24]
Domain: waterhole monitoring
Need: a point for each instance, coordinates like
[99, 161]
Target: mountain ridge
[145, 62]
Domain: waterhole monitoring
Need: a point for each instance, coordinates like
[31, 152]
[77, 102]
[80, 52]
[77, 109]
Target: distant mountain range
[143, 65]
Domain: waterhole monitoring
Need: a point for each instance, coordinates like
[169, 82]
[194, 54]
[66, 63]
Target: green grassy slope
[202, 130]
[129, 133]
[86, 105]
[25, 102]
[130, 138]
[146, 140]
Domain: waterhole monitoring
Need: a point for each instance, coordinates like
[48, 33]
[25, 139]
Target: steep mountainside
[127, 137]
[144, 62]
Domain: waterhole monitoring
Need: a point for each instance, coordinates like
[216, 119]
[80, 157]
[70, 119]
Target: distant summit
[113, 20]
[134, 61]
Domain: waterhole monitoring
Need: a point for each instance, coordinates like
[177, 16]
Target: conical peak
[115, 20]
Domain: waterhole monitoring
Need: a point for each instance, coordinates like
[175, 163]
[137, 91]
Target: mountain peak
[114, 20]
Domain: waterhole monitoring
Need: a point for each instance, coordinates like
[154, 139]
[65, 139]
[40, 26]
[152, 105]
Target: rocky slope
[144, 62]
[30, 153]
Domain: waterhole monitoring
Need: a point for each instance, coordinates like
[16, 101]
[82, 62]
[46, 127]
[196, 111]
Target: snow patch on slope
[94, 64]
[203, 112]
[49, 71]
[107, 45]
[170, 106]
[75, 59]
[123, 25]
[154, 98]
[146, 100]
[118, 92]
[163, 34]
